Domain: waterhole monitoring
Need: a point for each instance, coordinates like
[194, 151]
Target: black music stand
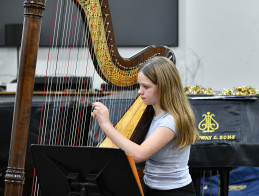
[83, 171]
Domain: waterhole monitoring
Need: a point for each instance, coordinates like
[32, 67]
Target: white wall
[8, 64]
[223, 36]
[218, 45]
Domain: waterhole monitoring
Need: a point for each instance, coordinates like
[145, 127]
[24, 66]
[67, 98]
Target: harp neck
[107, 60]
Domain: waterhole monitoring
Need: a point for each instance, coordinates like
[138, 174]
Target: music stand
[83, 171]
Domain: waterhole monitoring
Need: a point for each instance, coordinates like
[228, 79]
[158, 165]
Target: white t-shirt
[168, 168]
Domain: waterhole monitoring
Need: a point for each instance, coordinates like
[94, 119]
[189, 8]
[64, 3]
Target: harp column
[15, 174]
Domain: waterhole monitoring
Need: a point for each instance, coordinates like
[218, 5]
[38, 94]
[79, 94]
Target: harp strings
[96, 131]
[65, 113]
[45, 107]
[93, 130]
[56, 104]
[59, 108]
[73, 132]
[60, 99]
[53, 53]
[61, 125]
[63, 118]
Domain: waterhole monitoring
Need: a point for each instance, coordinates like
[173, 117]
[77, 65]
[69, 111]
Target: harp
[110, 66]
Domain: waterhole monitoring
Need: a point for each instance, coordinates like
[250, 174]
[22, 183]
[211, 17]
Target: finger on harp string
[208, 181]
[203, 181]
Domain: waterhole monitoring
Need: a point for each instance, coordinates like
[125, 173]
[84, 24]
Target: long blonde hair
[162, 72]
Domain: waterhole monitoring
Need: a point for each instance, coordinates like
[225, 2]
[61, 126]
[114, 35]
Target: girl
[166, 147]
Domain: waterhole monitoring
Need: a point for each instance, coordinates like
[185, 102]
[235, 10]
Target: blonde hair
[162, 72]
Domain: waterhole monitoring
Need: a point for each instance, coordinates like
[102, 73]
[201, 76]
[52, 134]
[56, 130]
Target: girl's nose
[139, 91]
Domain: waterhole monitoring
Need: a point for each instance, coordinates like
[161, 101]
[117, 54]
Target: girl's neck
[157, 109]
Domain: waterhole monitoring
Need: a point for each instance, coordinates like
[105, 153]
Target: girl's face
[148, 91]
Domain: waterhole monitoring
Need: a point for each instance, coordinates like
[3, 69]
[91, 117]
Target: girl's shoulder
[168, 116]
[167, 120]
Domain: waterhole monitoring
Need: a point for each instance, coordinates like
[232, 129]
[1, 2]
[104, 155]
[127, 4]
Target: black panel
[145, 22]
[136, 23]
[13, 34]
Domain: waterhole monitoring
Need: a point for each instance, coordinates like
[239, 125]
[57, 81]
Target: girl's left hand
[101, 113]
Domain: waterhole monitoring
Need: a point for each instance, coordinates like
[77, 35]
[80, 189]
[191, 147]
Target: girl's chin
[145, 102]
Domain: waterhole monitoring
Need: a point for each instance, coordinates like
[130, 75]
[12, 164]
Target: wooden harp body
[113, 68]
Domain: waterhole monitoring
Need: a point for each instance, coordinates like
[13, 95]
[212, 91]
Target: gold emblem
[236, 188]
[208, 124]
